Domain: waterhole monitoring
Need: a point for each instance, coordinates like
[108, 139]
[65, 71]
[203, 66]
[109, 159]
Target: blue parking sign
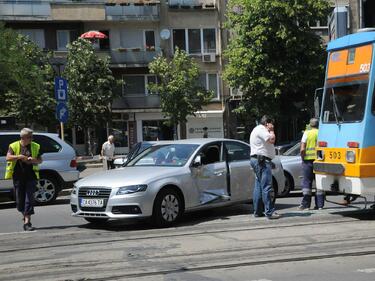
[61, 89]
[62, 113]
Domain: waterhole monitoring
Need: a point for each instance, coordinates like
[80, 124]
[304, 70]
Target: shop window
[120, 132]
[153, 130]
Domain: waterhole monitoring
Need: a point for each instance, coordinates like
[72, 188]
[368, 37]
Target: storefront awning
[138, 2]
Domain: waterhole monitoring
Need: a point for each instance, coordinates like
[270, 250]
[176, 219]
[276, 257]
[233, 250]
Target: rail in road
[119, 252]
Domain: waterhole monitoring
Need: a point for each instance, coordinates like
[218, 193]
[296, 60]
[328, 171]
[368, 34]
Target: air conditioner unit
[209, 57]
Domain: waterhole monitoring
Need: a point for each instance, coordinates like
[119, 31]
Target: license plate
[92, 202]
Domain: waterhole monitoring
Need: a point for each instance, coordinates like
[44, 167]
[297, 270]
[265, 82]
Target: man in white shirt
[262, 140]
[108, 150]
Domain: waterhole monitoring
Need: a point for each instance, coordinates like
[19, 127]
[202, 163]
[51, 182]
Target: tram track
[103, 238]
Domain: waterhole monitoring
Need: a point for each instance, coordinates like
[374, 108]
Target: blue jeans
[308, 178]
[263, 187]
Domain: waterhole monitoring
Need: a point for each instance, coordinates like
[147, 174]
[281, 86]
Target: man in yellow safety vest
[23, 158]
[308, 154]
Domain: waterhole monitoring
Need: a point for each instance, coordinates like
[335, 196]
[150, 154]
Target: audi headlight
[350, 156]
[131, 189]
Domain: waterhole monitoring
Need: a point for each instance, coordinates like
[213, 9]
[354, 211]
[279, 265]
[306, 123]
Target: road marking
[18, 232]
[367, 270]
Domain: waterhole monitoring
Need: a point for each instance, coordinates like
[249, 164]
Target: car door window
[47, 145]
[5, 141]
[211, 154]
[237, 151]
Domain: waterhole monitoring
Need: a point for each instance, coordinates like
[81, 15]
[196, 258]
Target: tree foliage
[26, 80]
[273, 55]
[90, 83]
[178, 85]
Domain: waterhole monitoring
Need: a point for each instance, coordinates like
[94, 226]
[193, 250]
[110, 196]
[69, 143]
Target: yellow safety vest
[312, 138]
[16, 147]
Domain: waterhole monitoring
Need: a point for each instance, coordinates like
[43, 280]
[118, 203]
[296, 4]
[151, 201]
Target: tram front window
[344, 103]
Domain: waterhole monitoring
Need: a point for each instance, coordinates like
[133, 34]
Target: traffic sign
[61, 89]
[62, 113]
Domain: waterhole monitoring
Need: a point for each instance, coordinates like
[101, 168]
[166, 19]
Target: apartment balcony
[133, 102]
[24, 10]
[133, 57]
[192, 4]
[132, 10]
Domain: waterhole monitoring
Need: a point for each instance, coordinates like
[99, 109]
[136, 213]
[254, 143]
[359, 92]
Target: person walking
[308, 154]
[23, 158]
[262, 140]
[205, 132]
[108, 150]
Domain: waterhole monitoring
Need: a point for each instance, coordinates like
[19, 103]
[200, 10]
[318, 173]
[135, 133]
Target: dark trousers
[308, 178]
[25, 196]
[110, 164]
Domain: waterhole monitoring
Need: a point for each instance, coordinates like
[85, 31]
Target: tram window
[345, 103]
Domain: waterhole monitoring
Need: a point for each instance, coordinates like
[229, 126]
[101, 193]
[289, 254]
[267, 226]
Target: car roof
[34, 132]
[197, 141]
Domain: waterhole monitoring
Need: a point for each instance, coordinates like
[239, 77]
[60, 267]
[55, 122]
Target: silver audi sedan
[168, 179]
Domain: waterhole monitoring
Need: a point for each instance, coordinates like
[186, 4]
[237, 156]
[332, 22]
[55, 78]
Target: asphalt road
[336, 243]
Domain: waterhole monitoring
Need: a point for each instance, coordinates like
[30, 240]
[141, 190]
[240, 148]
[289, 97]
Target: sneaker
[302, 208]
[274, 216]
[28, 227]
[258, 215]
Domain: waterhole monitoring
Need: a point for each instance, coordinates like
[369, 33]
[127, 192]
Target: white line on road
[367, 270]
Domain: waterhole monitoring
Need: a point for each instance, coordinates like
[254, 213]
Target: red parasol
[93, 34]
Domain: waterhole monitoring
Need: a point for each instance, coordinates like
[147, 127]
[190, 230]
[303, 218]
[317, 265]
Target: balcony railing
[21, 9]
[136, 102]
[133, 56]
[132, 12]
[192, 4]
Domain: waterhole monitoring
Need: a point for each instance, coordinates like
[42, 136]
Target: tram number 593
[335, 155]
[364, 68]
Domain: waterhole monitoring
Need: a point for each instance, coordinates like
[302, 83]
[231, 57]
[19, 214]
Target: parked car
[168, 179]
[134, 151]
[292, 165]
[57, 171]
[282, 148]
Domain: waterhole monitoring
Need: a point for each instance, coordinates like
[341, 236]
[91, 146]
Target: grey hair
[111, 137]
[26, 132]
[314, 123]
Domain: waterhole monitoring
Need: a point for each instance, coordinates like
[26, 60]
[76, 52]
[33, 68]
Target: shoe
[302, 208]
[274, 216]
[28, 227]
[258, 215]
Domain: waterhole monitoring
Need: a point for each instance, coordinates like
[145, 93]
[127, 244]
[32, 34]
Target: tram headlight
[320, 154]
[350, 156]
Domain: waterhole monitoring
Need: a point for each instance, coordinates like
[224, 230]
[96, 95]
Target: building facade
[140, 30]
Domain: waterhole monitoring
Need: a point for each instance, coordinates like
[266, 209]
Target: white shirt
[304, 137]
[108, 150]
[259, 144]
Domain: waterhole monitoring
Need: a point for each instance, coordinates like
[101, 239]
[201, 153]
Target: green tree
[26, 80]
[178, 85]
[90, 83]
[273, 55]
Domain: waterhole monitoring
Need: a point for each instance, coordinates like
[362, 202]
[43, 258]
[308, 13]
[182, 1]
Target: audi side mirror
[197, 161]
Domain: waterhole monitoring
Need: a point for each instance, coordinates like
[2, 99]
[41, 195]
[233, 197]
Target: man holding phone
[262, 140]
